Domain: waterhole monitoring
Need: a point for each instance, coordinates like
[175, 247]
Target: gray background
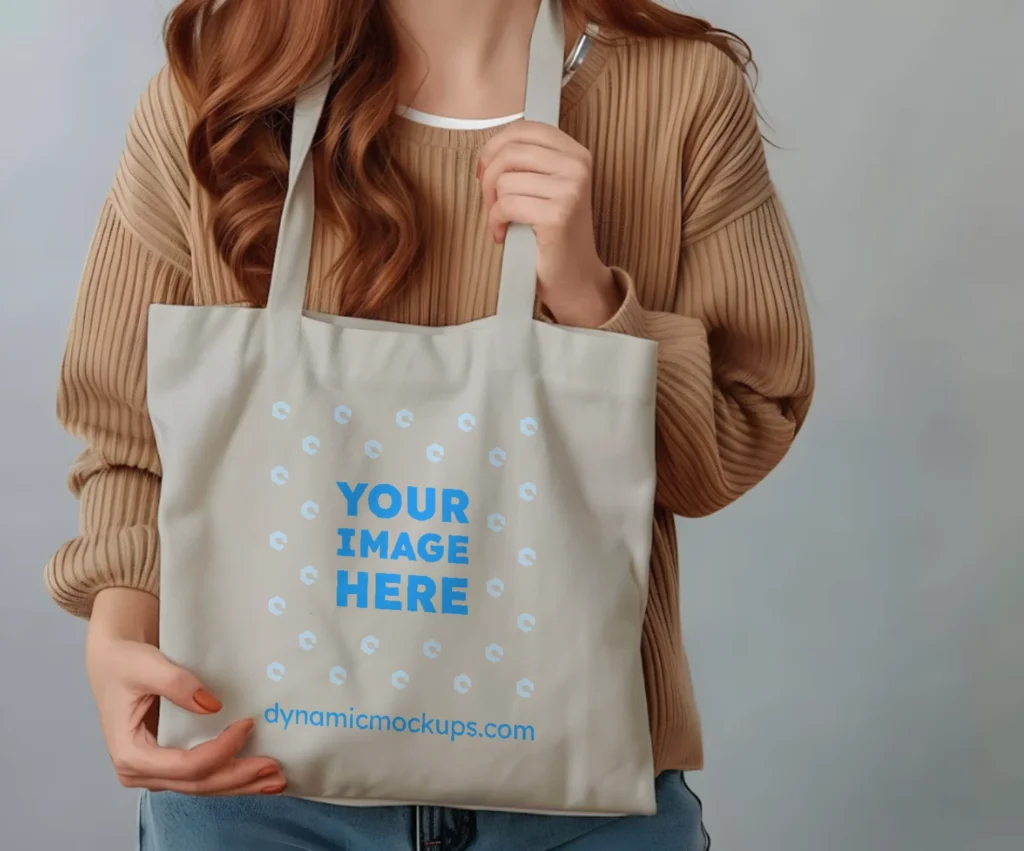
[855, 624]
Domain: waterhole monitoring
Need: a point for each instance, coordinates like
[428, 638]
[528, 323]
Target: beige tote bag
[418, 556]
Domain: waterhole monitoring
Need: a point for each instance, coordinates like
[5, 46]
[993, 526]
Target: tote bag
[417, 556]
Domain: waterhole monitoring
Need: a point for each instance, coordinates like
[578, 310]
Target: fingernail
[206, 701]
[247, 725]
[274, 789]
[269, 771]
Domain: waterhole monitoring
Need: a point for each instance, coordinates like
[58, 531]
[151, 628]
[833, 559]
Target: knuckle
[122, 765]
[177, 680]
[127, 780]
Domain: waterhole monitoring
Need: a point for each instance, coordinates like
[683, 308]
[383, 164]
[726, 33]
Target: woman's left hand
[536, 175]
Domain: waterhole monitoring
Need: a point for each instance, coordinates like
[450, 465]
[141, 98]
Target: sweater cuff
[630, 317]
[118, 544]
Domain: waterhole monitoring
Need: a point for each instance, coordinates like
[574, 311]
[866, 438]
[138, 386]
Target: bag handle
[294, 251]
[517, 292]
[518, 282]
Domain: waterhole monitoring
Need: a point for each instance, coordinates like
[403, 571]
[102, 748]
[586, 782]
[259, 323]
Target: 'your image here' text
[384, 590]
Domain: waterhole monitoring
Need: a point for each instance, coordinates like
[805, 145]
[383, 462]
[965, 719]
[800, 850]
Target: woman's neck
[464, 58]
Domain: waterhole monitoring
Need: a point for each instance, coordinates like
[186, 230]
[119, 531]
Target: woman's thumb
[156, 674]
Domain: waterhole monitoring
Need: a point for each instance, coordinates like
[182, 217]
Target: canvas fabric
[417, 556]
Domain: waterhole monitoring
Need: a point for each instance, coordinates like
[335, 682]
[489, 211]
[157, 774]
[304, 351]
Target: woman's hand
[128, 674]
[536, 175]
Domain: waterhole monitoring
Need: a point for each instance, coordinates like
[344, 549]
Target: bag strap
[295, 233]
[517, 293]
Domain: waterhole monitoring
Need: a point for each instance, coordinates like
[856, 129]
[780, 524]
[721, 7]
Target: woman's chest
[456, 281]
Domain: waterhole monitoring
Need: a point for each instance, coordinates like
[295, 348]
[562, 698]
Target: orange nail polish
[275, 789]
[269, 771]
[206, 701]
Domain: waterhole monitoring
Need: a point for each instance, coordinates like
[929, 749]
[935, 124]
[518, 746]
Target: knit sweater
[685, 214]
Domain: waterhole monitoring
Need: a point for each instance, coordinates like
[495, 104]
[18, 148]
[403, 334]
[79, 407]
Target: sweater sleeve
[735, 371]
[139, 256]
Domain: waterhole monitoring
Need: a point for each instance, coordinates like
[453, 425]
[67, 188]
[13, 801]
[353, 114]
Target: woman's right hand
[128, 675]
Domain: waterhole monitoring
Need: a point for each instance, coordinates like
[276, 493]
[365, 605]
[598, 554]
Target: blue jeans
[170, 822]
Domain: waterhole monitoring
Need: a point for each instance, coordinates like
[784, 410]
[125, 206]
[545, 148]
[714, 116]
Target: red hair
[239, 64]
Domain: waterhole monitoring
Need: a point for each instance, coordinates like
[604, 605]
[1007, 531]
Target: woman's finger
[528, 132]
[525, 210]
[270, 786]
[521, 157]
[526, 183]
[249, 776]
[142, 757]
[148, 671]
[239, 779]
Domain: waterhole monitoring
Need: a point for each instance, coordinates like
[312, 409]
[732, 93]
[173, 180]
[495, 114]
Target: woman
[655, 217]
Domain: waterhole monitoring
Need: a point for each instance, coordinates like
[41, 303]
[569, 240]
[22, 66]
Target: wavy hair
[239, 64]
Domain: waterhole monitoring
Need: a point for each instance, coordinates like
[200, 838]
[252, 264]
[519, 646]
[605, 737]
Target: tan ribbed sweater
[685, 212]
